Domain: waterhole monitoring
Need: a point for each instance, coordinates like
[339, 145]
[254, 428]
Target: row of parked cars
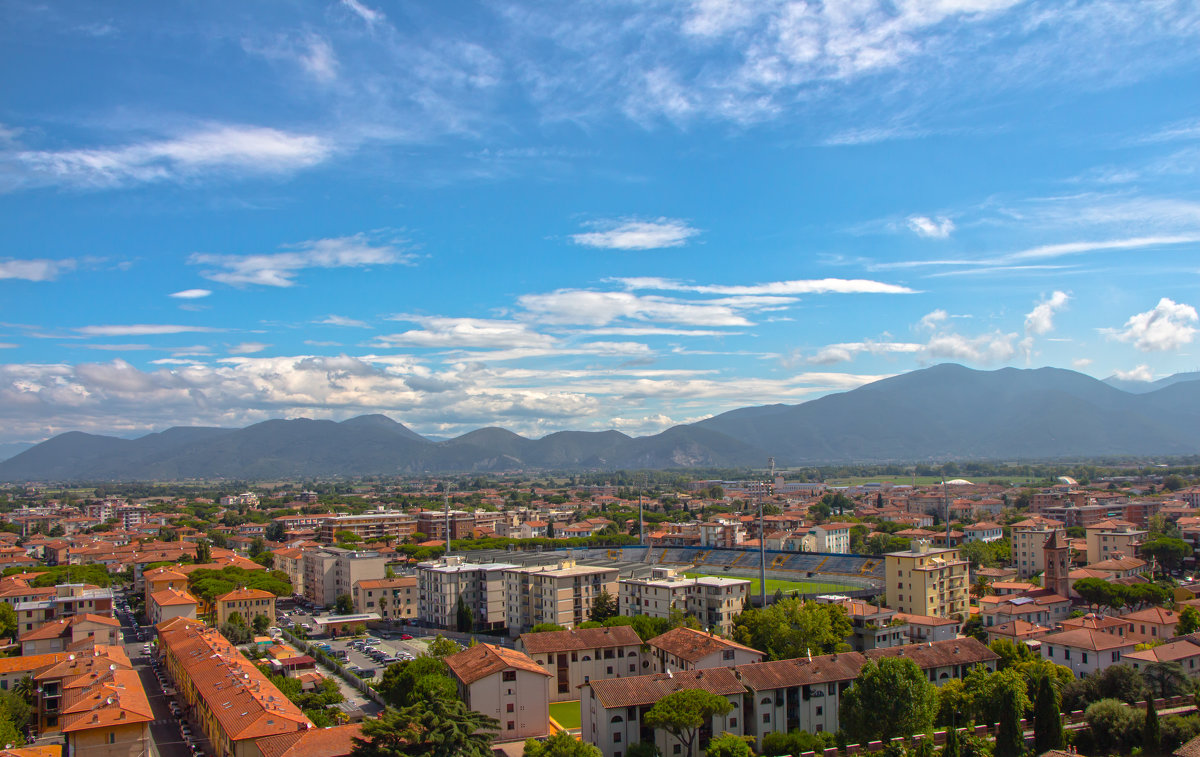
[176, 711]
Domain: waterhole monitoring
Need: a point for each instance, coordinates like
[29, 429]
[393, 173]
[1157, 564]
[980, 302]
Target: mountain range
[946, 412]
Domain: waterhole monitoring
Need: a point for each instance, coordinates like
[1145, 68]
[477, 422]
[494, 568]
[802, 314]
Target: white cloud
[142, 329]
[1040, 320]
[794, 287]
[341, 320]
[933, 319]
[592, 308]
[1140, 373]
[1169, 326]
[281, 268]
[440, 331]
[191, 294]
[631, 234]
[931, 228]
[1075, 248]
[247, 348]
[311, 52]
[1081, 363]
[846, 351]
[37, 269]
[221, 147]
[8, 346]
[370, 15]
[987, 349]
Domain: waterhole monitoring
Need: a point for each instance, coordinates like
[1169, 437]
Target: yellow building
[163, 578]
[108, 716]
[226, 694]
[928, 581]
[247, 602]
[392, 598]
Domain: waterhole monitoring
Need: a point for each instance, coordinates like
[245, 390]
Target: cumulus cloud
[632, 234]
[190, 294]
[1139, 373]
[996, 347]
[795, 287]
[142, 329]
[1040, 320]
[1168, 326]
[341, 320]
[933, 319]
[221, 147]
[441, 331]
[846, 351]
[280, 269]
[931, 228]
[36, 269]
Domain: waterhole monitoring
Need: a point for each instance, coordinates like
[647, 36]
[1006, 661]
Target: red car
[406, 637]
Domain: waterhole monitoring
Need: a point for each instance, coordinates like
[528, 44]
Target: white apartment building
[481, 585]
[561, 594]
[377, 525]
[713, 600]
[983, 531]
[686, 648]
[1086, 650]
[580, 656]
[330, 572]
[829, 537]
[505, 684]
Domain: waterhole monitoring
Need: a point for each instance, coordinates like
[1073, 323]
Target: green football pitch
[787, 587]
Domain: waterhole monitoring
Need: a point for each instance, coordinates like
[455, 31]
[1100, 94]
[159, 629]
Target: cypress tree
[1047, 718]
[1151, 732]
[950, 748]
[1010, 741]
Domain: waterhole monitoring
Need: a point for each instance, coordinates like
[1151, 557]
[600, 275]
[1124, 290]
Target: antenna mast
[762, 536]
[446, 501]
[642, 480]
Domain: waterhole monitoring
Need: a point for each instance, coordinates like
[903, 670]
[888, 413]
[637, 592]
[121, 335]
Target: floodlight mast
[762, 536]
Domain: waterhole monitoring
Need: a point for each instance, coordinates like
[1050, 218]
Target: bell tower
[1056, 554]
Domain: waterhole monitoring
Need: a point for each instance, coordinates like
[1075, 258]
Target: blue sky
[581, 215]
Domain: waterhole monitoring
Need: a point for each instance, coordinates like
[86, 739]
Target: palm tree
[383, 609]
[25, 688]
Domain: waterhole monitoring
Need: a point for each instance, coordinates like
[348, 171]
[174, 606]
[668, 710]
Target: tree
[643, 749]
[890, 697]
[442, 647]
[1189, 621]
[235, 618]
[433, 728]
[1047, 718]
[203, 552]
[1096, 592]
[1010, 738]
[728, 745]
[1168, 552]
[951, 749]
[792, 628]
[344, 605]
[257, 546]
[1173, 482]
[1151, 732]
[543, 627]
[276, 532]
[237, 634]
[261, 623]
[1166, 679]
[464, 620]
[1010, 653]
[400, 682]
[561, 744]
[604, 606]
[8, 621]
[684, 712]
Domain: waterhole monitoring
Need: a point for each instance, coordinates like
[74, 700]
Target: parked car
[406, 637]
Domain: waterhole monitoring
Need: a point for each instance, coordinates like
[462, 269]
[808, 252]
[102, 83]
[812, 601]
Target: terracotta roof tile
[642, 690]
[692, 645]
[938, 654]
[482, 660]
[579, 639]
[317, 742]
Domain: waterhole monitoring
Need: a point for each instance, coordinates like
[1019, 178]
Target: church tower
[1056, 553]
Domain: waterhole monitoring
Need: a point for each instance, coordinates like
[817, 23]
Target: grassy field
[566, 713]
[774, 584]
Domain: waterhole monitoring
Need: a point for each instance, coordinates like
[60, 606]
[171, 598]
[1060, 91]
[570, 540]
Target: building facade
[928, 581]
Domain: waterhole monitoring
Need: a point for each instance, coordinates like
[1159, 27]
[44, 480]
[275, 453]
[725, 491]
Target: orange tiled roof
[30, 663]
[114, 698]
[578, 639]
[318, 742]
[692, 645]
[482, 660]
[244, 593]
[170, 597]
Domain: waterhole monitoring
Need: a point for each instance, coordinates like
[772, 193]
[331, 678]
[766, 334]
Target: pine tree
[1151, 731]
[1047, 720]
[1010, 741]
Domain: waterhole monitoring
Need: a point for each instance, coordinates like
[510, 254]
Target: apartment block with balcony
[561, 594]
[393, 598]
[330, 572]
[1028, 539]
[928, 581]
[377, 525]
[441, 582]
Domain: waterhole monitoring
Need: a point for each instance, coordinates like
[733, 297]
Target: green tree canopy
[891, 697]
[604, 606]
[682, 714]
[432, 728]
[729, 745]
[399, 684]
[561, 744]
[791, 628]
[344, 605]
[1047, 718]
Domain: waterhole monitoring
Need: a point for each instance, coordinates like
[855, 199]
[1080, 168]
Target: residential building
[249, 603]
[1109, 537]
[290, 560]
[983, 531]
[161, 578]
[1119, 566]
[1152, 624]
[1104, 623]
[395, 599]
[578, 656]
[562, 594]
[613, 711]
[68, 599]
[56, 682]
[224, 692]
[108, 716]
[713, 600]
[943, 661]
[928, 581]
[1017, 631]
[63, 634]
[1184, 650]
[377, 525]
[13, 669]
[169, 604]
[685, 648]
[330, 572]
[1028, 538]
[923, 629]
[1086, 650]
[829, 537]
[875, 626]
[481, 586]
[507, 685]
[336, 741]
[1039, 607]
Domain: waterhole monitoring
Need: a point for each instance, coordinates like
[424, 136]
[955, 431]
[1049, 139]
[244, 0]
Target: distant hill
[939, 413]
[1142, 387]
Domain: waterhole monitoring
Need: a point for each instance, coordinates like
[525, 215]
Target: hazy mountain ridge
[943, 412]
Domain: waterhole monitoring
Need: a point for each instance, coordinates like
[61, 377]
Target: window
[766, 717]
[512, 725]
[508, 675]
[112, 737]
[509, 707]
[617, 737]
[820, 710]
[727, 654]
